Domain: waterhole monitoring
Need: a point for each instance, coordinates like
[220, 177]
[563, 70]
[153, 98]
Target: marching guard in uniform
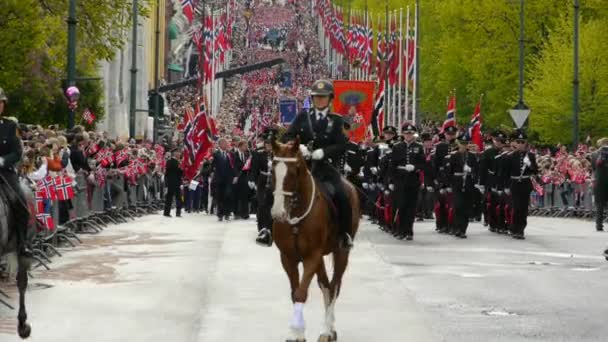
[521, 165]
[386, 149]
[407, 160]
[488, 179]
[427, 190]
[370, 178]
[441, 161]
[462, 171]
[259, 179]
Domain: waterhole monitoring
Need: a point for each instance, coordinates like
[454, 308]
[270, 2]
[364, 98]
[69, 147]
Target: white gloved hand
[380, 186]
[448, 190]
[235, 179]
[2, 161]
[499, 192]
[507, 192]
[251, 185]
[409, 168]
[347, 168]
[466, 168]
[481, 188]
[391, 187]
[318, 154]
[305, 152]
[527, 161]
[372, 186]
[374, 170]
[430, 189]
[361, 175]
[387, 192]
[365, 186]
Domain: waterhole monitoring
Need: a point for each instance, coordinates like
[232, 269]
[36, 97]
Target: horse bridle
[295, 220]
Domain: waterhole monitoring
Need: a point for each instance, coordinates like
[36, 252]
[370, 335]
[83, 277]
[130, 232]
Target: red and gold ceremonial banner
[354, 100]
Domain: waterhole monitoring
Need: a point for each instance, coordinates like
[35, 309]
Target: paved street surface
[194, 279]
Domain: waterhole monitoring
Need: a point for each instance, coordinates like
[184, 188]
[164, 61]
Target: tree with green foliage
[33, 53]
[471, 47]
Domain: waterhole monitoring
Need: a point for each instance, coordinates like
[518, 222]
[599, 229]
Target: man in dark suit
[224, 177]
[241, 188]
[173, 180]
[324, 132]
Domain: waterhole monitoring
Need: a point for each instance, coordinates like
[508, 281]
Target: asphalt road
[194, 279]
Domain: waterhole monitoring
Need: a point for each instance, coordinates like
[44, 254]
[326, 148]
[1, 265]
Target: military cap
[322, 88]
[519, 134]
[426, 137]
[499, 135]
[408, 127]
[463, 139]
[390, 129]
[451, 130]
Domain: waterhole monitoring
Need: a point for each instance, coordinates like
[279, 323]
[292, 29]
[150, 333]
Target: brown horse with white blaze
[304, 231]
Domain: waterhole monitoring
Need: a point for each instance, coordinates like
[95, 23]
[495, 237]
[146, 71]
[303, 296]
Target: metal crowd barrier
[93, 209]
[568, 200]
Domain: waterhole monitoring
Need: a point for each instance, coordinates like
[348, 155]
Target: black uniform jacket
[327, 135]
[404, 154]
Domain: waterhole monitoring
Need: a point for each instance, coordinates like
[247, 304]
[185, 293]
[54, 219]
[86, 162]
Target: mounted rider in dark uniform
[11, 152]
[323, 140]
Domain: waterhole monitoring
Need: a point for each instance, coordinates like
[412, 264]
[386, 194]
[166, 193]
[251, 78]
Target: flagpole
[400, 66]
[394, 86]
[407, 64]
[387, 112]
[415, 90]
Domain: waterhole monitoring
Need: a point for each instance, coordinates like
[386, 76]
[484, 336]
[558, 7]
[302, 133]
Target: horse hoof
[334, 336]
[324, 338]
[24, 331]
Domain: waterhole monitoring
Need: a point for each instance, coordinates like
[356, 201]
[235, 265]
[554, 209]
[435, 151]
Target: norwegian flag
[47, 186]
[379, 107]
[46, 220]
[451, 114]
[63, 186]
[120, 157]
[188, 10]
[474, 130]
[40, 198]
[88, 116]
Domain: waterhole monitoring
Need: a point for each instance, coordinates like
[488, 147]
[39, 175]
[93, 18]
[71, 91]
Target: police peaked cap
[389, 129]
[322, 88]
[408, 127]
[451, 130]
[519, 134]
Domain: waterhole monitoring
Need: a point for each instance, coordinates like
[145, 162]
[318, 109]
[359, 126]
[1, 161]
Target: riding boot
[345, 216]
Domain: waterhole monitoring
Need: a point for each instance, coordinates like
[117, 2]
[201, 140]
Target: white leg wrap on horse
[326, 328]
[330, 318]
[297, 321]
